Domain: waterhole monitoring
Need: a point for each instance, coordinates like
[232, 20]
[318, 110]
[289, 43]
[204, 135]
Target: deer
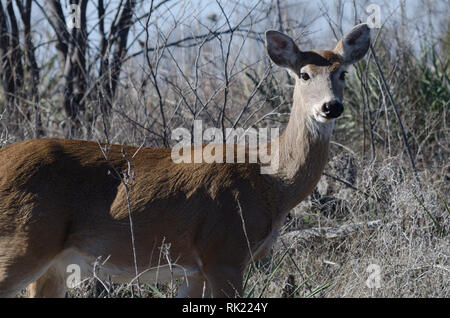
[60, 203]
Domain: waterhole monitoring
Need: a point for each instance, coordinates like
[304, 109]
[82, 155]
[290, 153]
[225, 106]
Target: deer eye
[304, 76]
[342, 76]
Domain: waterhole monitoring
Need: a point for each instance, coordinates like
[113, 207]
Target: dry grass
[408, 247]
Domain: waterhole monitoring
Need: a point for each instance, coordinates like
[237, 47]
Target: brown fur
[57, 194]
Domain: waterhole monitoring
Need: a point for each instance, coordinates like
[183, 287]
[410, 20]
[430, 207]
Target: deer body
[61, 204]
[191, 207]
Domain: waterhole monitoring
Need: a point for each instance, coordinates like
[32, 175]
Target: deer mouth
[324, 118]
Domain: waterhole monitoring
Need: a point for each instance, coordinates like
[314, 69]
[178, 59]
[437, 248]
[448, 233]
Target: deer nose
[332, 109]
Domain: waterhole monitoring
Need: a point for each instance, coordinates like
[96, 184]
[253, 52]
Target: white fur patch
[320, 127]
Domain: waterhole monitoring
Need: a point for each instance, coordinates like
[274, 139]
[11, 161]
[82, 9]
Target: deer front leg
[49, 285]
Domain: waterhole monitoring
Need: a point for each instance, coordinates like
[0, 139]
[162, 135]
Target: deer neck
[303, 153]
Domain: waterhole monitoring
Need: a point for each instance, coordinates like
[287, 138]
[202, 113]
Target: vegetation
[136, 70]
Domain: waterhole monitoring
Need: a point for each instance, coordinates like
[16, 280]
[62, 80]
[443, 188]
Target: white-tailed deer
[60, 204]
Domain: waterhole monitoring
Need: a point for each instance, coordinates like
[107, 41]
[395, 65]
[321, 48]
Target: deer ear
[281, 49]
[354, 45]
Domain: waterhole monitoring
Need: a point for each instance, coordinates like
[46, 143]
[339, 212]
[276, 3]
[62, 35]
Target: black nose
[332, 109]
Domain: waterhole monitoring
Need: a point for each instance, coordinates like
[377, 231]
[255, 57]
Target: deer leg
[18, 270]
[49, 285]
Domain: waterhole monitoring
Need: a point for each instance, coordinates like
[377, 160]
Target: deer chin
[322, 118]
[320, 127]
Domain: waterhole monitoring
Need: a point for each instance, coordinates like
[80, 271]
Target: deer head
[319, 74]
